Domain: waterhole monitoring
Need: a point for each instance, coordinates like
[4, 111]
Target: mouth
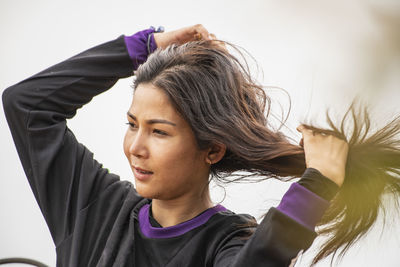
[141, 174]
[142, 170]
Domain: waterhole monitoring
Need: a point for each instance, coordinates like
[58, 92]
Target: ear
[215, 153]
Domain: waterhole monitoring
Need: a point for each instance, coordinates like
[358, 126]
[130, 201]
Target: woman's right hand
[192, 33]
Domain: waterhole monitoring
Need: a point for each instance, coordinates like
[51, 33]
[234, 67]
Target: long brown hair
[214, 91]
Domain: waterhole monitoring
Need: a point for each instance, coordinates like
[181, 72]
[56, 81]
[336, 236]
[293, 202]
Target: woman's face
[161, 148]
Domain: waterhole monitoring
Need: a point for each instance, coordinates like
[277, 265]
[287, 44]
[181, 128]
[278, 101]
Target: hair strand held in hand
[373, 168]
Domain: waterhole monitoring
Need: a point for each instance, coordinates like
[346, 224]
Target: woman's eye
[156, 131]
[131, 125]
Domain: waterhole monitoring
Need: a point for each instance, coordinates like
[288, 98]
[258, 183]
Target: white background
[321, 52]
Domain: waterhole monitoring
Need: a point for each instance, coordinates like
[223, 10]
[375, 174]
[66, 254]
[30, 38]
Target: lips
[142, 174]
[142, 170]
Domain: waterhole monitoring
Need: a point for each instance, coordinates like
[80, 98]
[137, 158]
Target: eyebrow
[152, 121]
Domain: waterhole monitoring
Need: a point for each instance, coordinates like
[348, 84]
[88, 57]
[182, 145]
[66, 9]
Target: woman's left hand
[192, 33]
[326, 153]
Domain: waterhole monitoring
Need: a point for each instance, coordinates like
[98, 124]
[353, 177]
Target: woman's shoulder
[230, 216]
[229, 229]
[229, 221]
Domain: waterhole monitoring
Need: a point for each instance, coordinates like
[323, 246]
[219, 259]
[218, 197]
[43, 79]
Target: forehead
[150, 102]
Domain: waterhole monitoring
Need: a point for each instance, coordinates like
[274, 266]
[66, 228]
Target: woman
[195, 114]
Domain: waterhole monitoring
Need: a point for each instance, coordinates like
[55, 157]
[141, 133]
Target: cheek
[180, 160]
[126, 144]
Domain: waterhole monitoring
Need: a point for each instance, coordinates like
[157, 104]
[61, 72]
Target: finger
[300, 128]
[204, 33]
[191, 33]
[200, 33]
[301, 143]
[198, 37]
[221, 44]
[304, 130]
[307, 134]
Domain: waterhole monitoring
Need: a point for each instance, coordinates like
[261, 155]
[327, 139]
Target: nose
[138, 145]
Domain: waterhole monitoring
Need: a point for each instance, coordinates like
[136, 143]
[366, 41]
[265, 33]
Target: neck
[172, 212]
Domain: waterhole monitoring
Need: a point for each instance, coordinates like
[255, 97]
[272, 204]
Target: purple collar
[176, 230]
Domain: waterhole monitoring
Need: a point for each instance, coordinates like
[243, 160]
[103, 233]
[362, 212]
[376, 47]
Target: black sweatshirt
[93, 216]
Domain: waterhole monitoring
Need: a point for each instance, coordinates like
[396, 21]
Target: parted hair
[216, 94]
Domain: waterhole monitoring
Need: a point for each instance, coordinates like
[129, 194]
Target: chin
[145, 192]
[150, 193]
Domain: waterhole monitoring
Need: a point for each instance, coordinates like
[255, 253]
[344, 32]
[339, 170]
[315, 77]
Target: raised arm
[289, 229]
[62, 173]
[285, 230]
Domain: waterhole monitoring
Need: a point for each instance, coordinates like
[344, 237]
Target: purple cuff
[140, 46]
[303, 206]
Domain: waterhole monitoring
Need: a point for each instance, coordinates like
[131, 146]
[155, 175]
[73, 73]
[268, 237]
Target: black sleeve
[62, 173]
[319, 184]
